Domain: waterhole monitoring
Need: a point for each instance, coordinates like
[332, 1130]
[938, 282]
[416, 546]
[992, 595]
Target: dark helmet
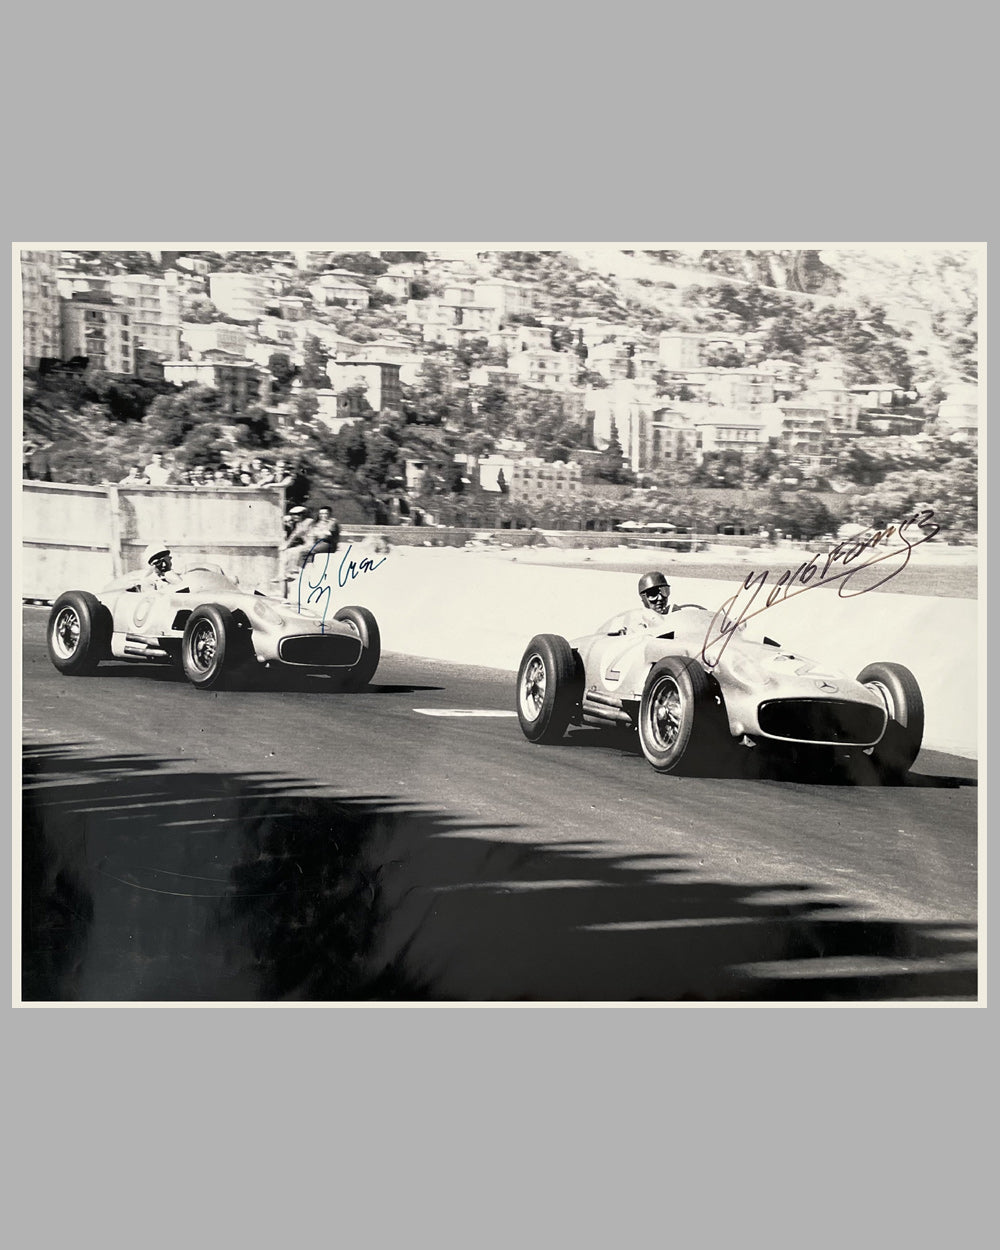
[649, 581]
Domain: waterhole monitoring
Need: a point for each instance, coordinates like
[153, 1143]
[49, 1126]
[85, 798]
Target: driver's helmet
[654, 591]
[156, 552]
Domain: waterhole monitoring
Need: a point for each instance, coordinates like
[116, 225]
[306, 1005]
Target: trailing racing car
[214, 630]
[687, 712]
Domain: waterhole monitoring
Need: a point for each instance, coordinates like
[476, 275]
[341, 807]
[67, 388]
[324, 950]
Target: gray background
[484, 1125]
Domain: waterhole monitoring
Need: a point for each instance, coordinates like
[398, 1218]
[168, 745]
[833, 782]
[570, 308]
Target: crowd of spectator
[254, 472]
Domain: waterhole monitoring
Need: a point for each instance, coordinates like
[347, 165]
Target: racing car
[211, 628]
[688, 712]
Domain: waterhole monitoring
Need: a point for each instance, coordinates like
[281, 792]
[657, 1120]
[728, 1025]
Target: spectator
[220, 477]
[136, 477]
[245, 479]
[296, 547]
[324, 534]
[157, 473]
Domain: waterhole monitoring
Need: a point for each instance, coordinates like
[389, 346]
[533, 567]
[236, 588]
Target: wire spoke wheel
[532, 688]
[203, 645]
[665, 713]
[66, 633]
[549, 688]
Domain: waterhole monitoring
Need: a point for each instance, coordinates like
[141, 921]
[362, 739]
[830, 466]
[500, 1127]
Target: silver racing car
[214, 630]
[687, 710]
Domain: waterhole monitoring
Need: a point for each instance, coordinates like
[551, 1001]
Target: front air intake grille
[822, 720]
[320, 650]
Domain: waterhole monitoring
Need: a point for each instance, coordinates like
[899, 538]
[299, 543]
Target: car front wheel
[678, 717]
[213, 653]
[363, 623]
[548, 688]
[899, 747]
[79, 633]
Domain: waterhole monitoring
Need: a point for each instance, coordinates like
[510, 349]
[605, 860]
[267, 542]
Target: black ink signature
[319, 591]
[366, 566]
[816, 572]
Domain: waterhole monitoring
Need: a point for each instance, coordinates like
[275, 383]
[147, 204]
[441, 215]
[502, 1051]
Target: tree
[314, 361]
[611, 465]
[282, 370]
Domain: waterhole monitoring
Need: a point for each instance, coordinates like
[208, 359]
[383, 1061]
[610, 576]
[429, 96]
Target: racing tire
[549, 688]
[215, 651]
[362, 622]
[895, 754]
[79, 633]
[678, 717]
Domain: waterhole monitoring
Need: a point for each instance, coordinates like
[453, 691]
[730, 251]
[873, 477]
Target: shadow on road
[807, 766]
[145, 883]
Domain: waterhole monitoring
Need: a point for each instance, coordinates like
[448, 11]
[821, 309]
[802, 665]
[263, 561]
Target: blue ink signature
[816, 572]
[319, 591]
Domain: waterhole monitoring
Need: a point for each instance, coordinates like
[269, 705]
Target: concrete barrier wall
[80, 537]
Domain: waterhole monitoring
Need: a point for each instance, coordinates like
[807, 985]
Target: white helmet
[154, 550]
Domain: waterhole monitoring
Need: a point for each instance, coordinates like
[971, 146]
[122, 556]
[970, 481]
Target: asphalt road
[295, 844]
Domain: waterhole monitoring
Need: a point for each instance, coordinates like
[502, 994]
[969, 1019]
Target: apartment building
[532, 480]
[339, 286]
[680, 350]
[510, 299]
[242, 296]
[240, 383]
[556, 371]
[95, 326]
[725, 430]
[215, 336]
[40, 310]
[380, 380]
[805, 433]
[154, 309]
[738, 388]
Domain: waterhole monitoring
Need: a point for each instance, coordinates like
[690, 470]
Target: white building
[215, 336]
[727, 430]
[95, 326]
[243, 296]
[556, 371]
[680, 350]
[337, 287]
[40, 311]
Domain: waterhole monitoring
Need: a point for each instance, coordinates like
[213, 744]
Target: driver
[654, 591]
[654, 594]
[159, 564]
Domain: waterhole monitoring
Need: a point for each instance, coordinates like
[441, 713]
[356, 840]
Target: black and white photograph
[507, 624]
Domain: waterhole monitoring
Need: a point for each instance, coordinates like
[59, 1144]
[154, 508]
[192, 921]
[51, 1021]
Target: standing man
[156, 472]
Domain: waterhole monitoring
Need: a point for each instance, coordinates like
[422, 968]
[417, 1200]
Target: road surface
[407, 844]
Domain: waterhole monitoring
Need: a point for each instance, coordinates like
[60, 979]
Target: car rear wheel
[363, 623]
[79, 633]
[548, 688]
[214, 650]
[678, 716]
[899, 747]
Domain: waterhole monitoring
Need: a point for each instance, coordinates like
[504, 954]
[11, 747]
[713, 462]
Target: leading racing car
[688, 712]
[215, 631]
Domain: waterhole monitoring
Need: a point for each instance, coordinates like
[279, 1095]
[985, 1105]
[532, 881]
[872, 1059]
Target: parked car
[687, 712]
[213, 630]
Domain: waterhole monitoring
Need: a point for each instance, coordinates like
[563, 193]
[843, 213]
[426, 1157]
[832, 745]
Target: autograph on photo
[821, 569]
[319, 591]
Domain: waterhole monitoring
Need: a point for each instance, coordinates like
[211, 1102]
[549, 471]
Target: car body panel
[768, 692]
[148, 622]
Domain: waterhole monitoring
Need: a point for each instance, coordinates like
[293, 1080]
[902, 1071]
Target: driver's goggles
[660, 592]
